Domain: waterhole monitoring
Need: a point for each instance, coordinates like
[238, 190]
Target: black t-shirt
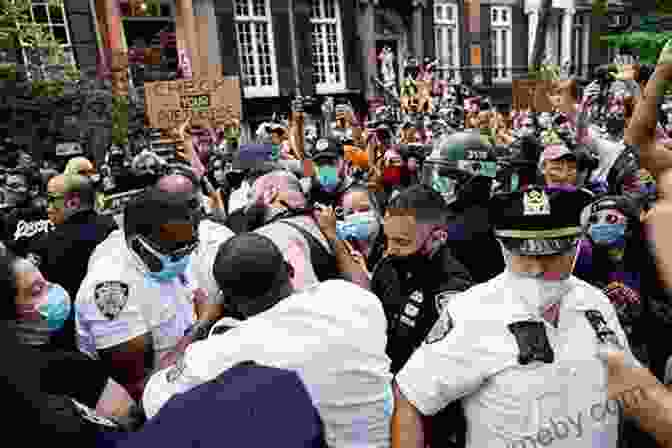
[20, 227]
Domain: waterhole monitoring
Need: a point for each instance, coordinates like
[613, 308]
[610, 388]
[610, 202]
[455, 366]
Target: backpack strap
[323, 262]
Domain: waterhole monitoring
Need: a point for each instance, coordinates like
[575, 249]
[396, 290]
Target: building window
[254, 33]
[52, 17]
[327, 41]
[500, 24]
[581, 44]
[446, 40]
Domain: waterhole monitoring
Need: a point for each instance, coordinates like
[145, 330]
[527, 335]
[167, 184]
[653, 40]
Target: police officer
[139, 301]
[416, 277]
[521, 350]
[461, 168]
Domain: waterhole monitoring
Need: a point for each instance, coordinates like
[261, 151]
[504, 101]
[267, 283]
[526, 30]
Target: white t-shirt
[508, 404]
[211, 235]
[116, 302]
[332, 335]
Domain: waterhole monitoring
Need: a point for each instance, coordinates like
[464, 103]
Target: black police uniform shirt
[23, 226]
[413, 291]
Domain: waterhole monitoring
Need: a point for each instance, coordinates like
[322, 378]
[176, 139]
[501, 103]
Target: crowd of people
[445, 274]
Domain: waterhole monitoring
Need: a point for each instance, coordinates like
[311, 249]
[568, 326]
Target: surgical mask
[162, 267]
[51, 311]
[603, 234]
[328, 178]
[539, 292]
[357, 226]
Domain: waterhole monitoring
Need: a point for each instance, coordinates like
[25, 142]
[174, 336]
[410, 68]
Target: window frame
[497, 26]
[326, 88]
[257, 91]
[581, 42]
[68, 48]
[441, 23]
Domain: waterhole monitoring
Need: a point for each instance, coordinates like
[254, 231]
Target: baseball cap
[328, 148]
[538, 220]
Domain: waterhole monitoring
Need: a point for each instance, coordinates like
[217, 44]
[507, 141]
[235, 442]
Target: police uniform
[413, 295]
[117, 302]
[523, 381]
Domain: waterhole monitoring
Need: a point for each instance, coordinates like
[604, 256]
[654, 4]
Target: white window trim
[259, 91]
[454, 23]
[66, 47]
[583, 69]
[326, 88]
[508, 26]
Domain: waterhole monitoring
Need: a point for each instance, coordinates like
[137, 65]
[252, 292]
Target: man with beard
[22, 222]
[520, 350]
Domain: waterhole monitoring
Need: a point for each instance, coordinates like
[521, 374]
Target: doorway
[393, 44]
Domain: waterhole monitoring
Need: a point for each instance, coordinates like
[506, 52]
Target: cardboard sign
[114, 204]
[208, 102]
[531, 93]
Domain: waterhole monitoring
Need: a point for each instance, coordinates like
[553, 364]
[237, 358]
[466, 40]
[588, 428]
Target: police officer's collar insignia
[322, 144]
[417, 296]
[444, 324]
[535, 202]
[111, 298]
[442, 299]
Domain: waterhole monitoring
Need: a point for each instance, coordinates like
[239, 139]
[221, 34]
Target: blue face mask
[171, 269]
[328, 178]
[357, 226]
[612, 235]
[56, 309]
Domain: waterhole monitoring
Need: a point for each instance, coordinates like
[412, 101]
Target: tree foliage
[646, 45]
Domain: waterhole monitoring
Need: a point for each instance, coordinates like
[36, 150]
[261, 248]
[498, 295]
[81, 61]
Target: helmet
[461, 167]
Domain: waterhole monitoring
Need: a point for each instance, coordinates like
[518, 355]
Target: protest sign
[208, 102]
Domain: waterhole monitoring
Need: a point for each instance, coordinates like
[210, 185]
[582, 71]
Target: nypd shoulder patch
[111, 298]
[444, 324]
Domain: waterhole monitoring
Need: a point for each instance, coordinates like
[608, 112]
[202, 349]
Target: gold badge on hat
[535, 202]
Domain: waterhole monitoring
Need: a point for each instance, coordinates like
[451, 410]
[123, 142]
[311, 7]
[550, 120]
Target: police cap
[538, 220]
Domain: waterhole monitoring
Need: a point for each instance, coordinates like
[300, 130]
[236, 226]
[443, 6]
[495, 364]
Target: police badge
[444, 324]
[535, 202]
[442, 299]
[111, 298]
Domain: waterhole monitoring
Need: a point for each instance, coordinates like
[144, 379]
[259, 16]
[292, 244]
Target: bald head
[79, 165]
[176, 183]
[69, 194]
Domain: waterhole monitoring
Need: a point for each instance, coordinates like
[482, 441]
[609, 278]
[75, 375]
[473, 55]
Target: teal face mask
[171, 269]
[328, 178]
[56, 309]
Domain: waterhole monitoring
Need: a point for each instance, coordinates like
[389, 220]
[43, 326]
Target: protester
[339, 327]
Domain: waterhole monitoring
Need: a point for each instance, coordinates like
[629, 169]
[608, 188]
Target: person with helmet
[140, 302]
[461, 168]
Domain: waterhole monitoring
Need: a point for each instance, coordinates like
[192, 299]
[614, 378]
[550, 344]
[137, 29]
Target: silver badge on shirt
[444, 324]
[111, 298]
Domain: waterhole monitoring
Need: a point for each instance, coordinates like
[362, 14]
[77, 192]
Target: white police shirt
[116, 302]
[211, 235]
[508, 404]
[332, 335]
